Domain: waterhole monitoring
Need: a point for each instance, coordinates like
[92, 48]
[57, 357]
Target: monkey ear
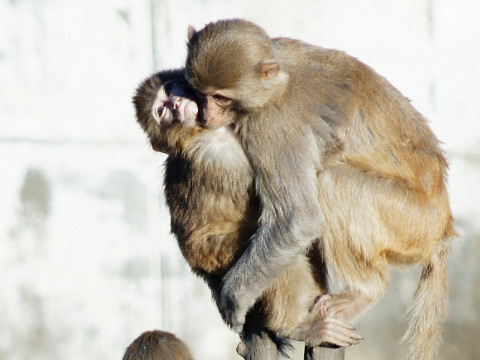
[191, 32]
[269, 70]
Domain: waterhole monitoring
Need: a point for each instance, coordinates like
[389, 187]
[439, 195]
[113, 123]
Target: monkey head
[157, 345]
[231, 66]
[166, 110]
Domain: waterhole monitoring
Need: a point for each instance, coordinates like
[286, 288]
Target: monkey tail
[428, 308]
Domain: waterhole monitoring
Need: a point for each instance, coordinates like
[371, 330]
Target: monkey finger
[319, 309]
[334, 322]
[341, 336]
[341, 340]
[336, 306]
[348, 334]
[319, 305]
[322, 311]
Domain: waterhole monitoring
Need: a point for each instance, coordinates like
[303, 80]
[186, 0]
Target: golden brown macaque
[337, 154]
[157, 345]
[214, 212]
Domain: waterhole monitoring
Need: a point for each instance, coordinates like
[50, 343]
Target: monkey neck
[212, 162]
[217, 150]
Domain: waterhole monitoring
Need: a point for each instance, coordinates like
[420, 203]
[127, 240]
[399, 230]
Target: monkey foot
[327, 329]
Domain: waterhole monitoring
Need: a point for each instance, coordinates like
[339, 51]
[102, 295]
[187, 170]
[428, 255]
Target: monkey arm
[290, 219]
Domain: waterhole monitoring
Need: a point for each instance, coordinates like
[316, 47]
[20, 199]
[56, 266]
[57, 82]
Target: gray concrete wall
[86, 259]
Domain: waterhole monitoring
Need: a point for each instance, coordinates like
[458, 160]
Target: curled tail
[428, 308]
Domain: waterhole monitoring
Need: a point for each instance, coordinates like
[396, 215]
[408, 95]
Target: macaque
[214, 212]
[337, 154]
[157, 345]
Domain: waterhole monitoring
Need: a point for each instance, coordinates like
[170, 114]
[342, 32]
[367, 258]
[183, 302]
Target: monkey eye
[160, 110]
[222, 100]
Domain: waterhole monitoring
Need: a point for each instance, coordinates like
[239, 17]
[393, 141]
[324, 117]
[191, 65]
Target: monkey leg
[372, 221]
[372, 217]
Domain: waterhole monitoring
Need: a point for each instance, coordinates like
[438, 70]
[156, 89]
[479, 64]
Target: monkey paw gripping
[326, 329]
[232, 312]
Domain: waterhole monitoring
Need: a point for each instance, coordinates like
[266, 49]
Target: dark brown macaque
[157, 345]
[338, 154]
[214, 213]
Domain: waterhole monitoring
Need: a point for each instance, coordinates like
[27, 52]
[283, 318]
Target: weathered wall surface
[86, 259]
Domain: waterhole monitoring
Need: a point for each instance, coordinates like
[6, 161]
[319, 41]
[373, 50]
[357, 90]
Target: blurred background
[86, 259]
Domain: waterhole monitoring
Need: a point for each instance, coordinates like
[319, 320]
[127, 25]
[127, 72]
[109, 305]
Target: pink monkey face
[174, 104]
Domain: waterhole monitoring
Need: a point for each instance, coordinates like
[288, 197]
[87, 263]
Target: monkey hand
[326, 329]
[345, 306]
[232, 313]
[234, 303]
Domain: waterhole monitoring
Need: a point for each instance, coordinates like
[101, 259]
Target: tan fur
[157, 345]
[339, 154]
